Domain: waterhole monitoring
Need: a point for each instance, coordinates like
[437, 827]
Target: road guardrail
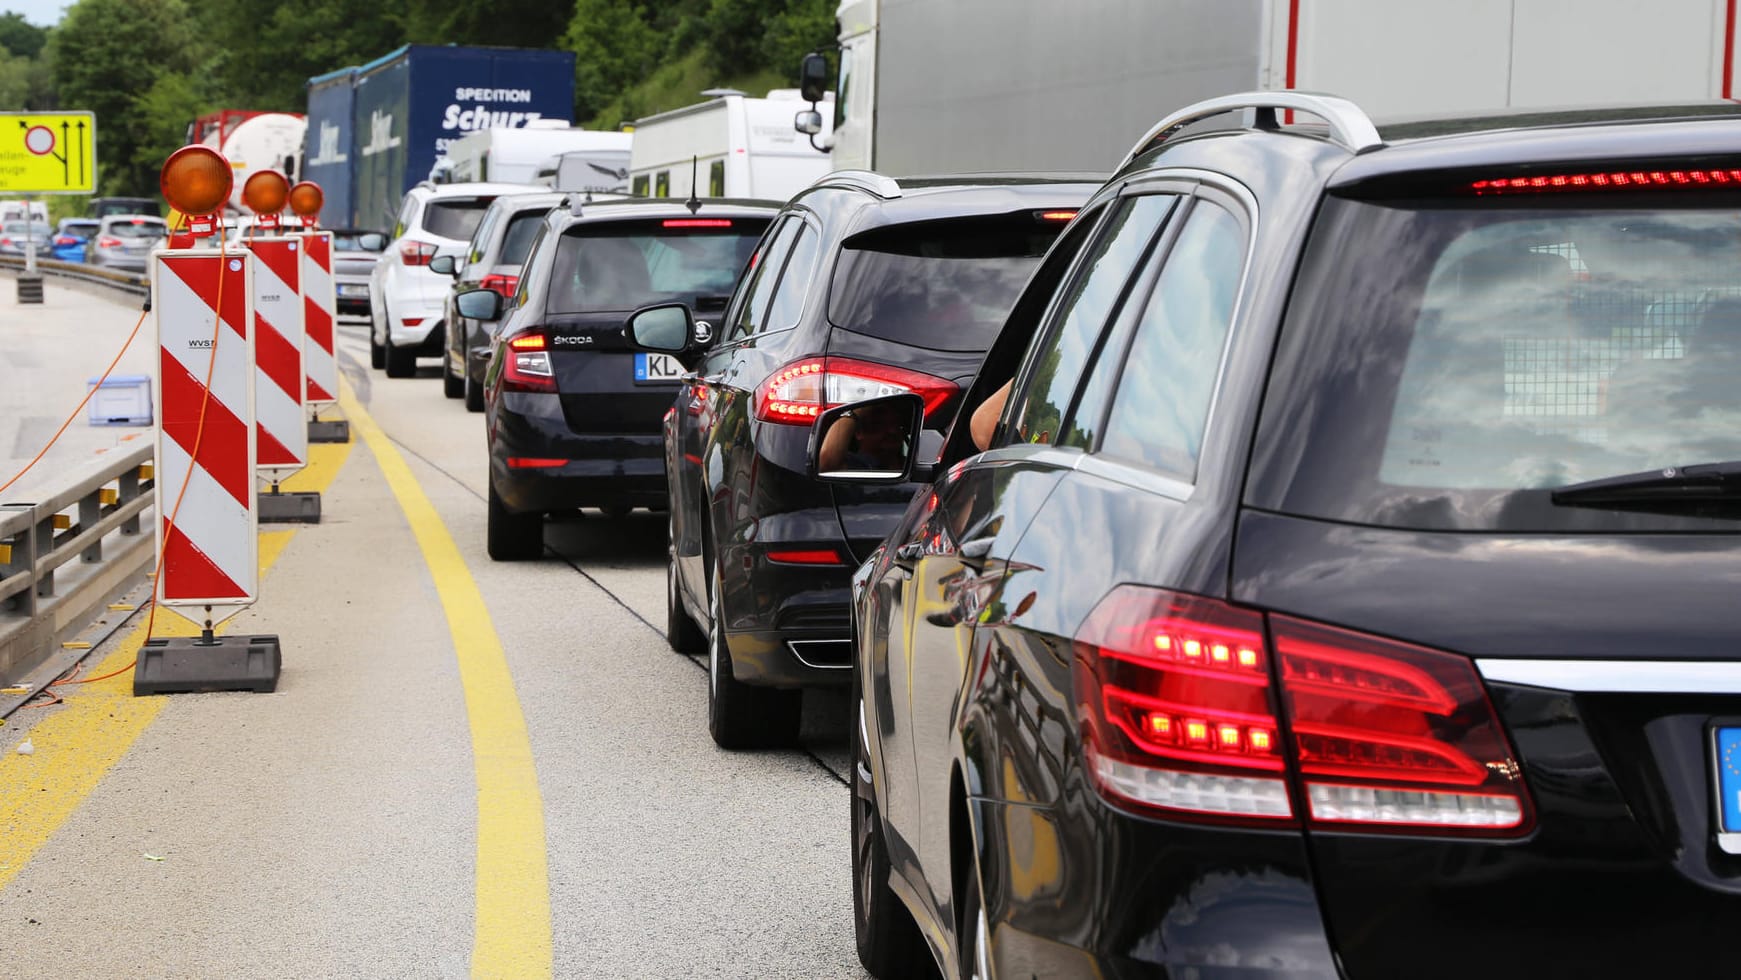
[126, 282]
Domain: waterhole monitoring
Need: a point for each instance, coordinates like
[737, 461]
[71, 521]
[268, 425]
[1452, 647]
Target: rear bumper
[600, 470]
[788, 625]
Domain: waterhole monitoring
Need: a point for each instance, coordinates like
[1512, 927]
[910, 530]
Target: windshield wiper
[1691, 484]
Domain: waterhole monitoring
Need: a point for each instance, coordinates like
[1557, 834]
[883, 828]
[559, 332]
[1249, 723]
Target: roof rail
[864, 180]
[1349, 126]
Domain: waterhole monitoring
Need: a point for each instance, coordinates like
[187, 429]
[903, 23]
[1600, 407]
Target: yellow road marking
[512, 936]
[77, 745]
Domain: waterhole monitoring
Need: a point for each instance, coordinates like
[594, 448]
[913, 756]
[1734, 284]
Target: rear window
[940, 285]
[629, 264]
[1445, 366]
[137, 228]
[455, 218]
[518, 241]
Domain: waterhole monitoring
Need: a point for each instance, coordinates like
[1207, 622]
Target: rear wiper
[1699, 482]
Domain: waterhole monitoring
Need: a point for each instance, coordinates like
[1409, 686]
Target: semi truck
[732, 145]
[976, 85]
[377, 129]
[252, 141]
[517, 156]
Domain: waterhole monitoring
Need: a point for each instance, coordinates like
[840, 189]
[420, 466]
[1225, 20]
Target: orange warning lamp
[306, 199]
[265, 191]
[196, 180]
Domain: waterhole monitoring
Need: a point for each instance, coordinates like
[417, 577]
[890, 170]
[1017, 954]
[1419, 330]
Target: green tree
[21, 37]
[269, 49]
[804, 26]
[504, 23]
[614, 47]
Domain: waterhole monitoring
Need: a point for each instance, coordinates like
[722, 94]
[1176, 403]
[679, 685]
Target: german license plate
[350, 289]
[1728, 751]
[657, 368]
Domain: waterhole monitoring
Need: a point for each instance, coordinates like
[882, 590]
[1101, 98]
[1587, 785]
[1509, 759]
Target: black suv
[1348, 588]
[865, 286]
[572, 412]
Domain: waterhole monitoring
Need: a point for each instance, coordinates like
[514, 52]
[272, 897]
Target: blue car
[70, 238]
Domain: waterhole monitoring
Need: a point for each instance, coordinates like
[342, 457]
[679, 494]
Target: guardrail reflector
[109, 496]
[62, 521]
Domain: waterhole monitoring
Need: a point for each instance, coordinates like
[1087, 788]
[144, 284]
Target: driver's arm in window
[983, 425]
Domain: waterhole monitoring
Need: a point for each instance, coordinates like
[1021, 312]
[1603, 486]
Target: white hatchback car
[406, 297]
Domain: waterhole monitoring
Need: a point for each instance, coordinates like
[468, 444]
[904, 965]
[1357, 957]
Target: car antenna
[694, 203]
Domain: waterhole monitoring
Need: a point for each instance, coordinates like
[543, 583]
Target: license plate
[353, 290]
[1728, 751]
[657, 368]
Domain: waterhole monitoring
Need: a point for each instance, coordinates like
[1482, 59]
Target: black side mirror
[813, 77]
[444, 265]
[479, 304]
[372, 241]
[874, 441]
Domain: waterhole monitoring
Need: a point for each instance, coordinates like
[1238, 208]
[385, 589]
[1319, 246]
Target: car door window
[1060, 368]
[481, 237]
[534, 257]
[794, 283]
[1167, 384]
[407, 217]
[758, 285]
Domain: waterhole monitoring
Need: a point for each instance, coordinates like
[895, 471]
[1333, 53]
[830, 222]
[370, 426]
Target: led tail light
[527, 366]
[108, 242]
[696, 223]
[800, 391]
[1176, 697]
[1610, 180]
[415, 252]
[505, 285]
[1058, 217]
[806, 556]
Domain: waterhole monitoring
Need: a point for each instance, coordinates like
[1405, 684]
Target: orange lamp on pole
[306, 200]
[265, 192]
[196, 181]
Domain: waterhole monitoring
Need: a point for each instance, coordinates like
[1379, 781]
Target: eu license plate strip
[1726, 751]
[657, 369]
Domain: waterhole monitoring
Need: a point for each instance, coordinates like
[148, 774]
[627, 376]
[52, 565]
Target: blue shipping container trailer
[390, 119]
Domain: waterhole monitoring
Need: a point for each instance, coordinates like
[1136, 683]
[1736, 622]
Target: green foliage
[504, 23]
[265, 51]
[615, 46]
[20, 37]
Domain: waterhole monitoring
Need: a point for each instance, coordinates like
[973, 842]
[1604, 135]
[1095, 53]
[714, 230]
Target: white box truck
[734, 145]
[977, 85]
[517, 155]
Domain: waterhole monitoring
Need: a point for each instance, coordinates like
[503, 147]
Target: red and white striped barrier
[205, 444]
[280, 425]
[320, 306]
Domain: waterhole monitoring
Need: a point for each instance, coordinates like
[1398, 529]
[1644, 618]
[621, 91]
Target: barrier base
[178, 664]
[29, 289]
[288, 508]
[329, 430]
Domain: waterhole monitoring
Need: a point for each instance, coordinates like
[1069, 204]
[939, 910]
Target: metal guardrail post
[21, 559]
[44, 546]
[90, 512]
[128, 489]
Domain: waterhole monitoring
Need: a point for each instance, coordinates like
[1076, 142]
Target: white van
[515, 156]
[733, 145]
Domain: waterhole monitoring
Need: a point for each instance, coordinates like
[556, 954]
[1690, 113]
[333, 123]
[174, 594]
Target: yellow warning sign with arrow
[48, 153]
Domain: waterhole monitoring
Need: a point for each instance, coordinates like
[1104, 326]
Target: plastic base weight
[182, 664]
[289, 508]
[329, 430]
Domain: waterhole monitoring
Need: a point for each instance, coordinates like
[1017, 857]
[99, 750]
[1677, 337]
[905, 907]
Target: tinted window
[628, 264]
[455, 218]
[1499, 351]
[78, 227]
[482, 234]
[759, 280]
[137, 228]
[517, 243]
[941, 285]
[1092, 298]
[540, 241]
[1168, 380]
[794, 282]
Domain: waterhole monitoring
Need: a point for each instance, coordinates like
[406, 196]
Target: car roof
[529, 201]
[475, 189]
[664, 207]
[874, 201]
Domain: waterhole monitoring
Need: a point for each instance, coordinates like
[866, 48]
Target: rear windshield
[940, 285]
[518, 241]
[137, 228]
[1446, 366]
[629, 264]
[455, 218]
[78, 227]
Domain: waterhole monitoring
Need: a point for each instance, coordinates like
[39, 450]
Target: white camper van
[588, 171]
[516, 156]
[733, 145]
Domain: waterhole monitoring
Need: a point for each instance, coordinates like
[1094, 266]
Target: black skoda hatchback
[1349, 587]
[572, 412]
[864, 286]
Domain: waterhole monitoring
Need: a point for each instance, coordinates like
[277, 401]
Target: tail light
[1610, 180]
[800, 391]
[504, 285]
[415, 252]
[528, 364]
[108, 242]
[1177, 697]
[65, 240]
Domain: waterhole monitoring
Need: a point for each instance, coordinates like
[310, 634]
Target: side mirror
[372, 241]
[874, 441]
[813, 77]
[479, 304]
[443, 265]
[808, 122]
[665, 329]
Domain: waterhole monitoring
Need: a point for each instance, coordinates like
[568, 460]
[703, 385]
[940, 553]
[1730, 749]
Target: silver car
[123, 242]
[15, 235]
[354, 256]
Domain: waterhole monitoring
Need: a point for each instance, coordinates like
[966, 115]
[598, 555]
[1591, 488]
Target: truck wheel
[401, 361]
[474, 393]
[742, 716]
[451, 386]
[513, 537]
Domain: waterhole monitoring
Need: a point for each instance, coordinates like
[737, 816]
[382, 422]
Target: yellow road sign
[48, 153]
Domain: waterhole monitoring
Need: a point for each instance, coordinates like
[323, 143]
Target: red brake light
[138, 221]
[108, 242]
[1609, 180]
[800, 391]
[528, 367]
[803, 556]
[533, 463]
[1056, 216]
[697, 222]
[1173, 694]
[505, 285]
[415, 252]
[65, 240]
